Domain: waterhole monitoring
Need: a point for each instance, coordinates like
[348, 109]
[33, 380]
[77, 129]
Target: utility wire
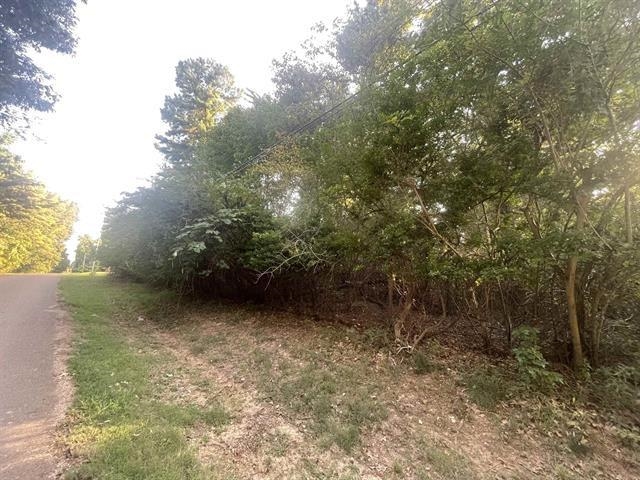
[334, 109]
[341, 105]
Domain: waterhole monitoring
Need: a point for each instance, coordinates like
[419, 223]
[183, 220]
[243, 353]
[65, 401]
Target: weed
[378, 338]
[532, 366]
[446, 463]
[202, 344]
[486, 388]
[315, 472]
[397, 468]
[577, 443]
[563, 474]
[214, 415]
[422, 364]
[279, 444]
[198, 349]
[460, 408]
[449, 464]
[261, 359]
[332, 396]
[628, 437]
[616, 387]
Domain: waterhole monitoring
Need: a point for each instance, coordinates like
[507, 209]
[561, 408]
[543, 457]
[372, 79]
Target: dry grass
[311, 400]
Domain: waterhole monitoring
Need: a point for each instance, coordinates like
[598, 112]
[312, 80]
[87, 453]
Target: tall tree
[205, 93]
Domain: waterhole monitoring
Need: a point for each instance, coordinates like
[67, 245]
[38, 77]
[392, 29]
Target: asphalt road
[29, 394]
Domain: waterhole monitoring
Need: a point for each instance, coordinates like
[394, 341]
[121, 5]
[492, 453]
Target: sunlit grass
[119, 428]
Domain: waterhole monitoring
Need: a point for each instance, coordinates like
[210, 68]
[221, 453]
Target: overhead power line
[341, 105]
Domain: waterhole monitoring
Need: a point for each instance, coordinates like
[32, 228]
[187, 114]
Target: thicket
[463, 166]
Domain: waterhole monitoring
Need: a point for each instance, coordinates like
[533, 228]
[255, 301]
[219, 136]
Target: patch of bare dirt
[64, 385]
[432, 430]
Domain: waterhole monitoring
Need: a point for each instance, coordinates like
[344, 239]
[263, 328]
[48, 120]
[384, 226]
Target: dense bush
[482, 178]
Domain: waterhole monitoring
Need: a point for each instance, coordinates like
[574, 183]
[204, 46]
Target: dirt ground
[312, 400]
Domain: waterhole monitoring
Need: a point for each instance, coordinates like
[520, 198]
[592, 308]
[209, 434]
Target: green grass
[446, 463]
[334, 398]
[487, 388]
[119, 428]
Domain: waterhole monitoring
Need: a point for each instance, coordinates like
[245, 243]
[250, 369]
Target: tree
[31, 25]
[86, 254]
[205, 93]
[64, 263]
[34, 223]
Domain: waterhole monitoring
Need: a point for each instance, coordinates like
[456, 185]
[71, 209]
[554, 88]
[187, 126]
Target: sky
[99, 140]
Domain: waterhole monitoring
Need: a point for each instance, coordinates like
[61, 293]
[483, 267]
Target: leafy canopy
[27, 25]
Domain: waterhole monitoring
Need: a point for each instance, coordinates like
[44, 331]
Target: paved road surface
[29, 403]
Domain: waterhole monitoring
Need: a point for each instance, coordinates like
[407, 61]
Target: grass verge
[119, 427]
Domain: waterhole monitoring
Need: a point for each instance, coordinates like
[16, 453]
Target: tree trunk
[627, 215]
[391, 286]
[507, 317]
[572, 266]
[399, 321]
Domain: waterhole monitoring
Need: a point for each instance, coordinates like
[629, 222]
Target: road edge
[64, 385]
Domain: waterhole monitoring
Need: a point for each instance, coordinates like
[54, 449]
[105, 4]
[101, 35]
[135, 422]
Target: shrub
[533, 369]
[422, 364]
[617, 386]
[629, 437]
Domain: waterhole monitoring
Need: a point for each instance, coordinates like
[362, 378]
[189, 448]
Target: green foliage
[205, 93]
[27, 25]
[532, 367]
[34, 223]
[224, 240]
[487, 158]
[86, 257]
[488, 387]
[64, 264]
[616, 387]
